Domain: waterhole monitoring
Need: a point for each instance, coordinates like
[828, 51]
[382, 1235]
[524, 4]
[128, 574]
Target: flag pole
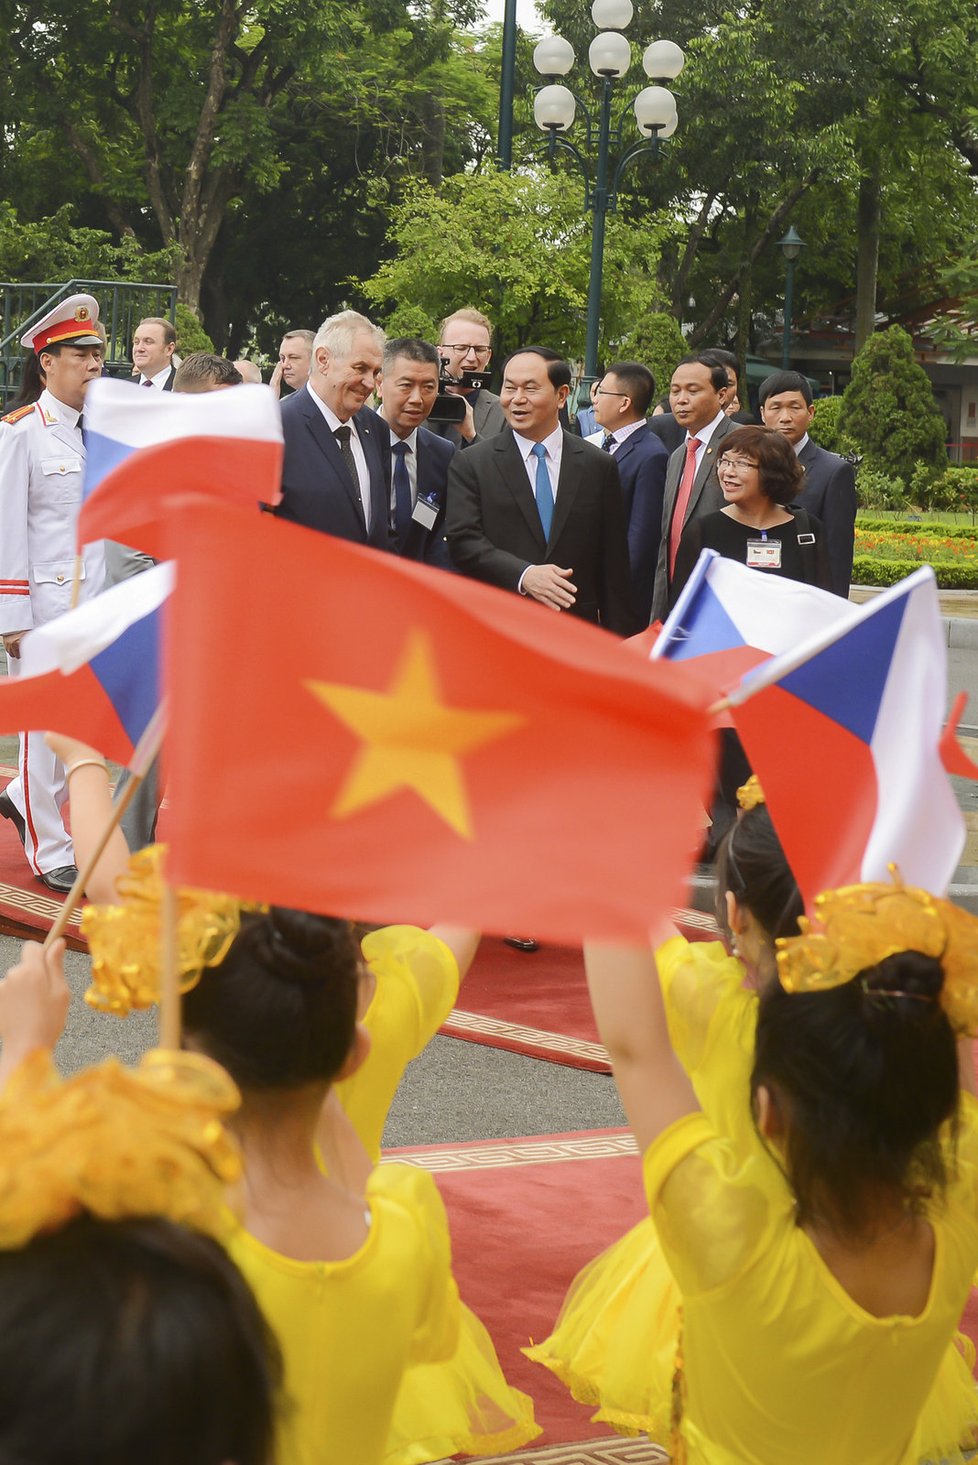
[76, 581]
[169, 1015]
[146, 750]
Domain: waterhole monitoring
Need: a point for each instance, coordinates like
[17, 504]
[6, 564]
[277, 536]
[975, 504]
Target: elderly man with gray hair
[334, 475]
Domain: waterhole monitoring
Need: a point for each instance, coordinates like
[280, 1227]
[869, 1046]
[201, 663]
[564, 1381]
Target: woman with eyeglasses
[760, 526]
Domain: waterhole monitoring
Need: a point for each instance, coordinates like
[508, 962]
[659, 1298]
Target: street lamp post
[554, 108]
[507, 87]
[791, 247]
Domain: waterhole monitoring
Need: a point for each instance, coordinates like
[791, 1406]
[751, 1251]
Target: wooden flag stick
[146, 750]
[76, 580]
[169, 1020]
[718, 707]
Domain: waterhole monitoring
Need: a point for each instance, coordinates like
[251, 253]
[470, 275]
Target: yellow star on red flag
[411, 738]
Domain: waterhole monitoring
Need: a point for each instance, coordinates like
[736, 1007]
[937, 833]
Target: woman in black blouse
[759, 476]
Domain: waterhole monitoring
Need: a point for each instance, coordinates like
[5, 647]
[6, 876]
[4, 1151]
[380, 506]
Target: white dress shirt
[554, 445]
[158, 380]
[703, 436]
[356, 447]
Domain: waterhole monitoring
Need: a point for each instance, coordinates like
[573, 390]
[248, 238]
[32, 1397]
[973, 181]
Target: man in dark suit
[829, 487]
[539, 511]
[621, 401]
[153, 344]
[419, 458]
[698, 393]
[333, 474]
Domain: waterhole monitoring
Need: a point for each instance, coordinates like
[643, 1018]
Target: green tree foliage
[825, 426]
[888, 408]
[517, 246]
[191, 335]
[659, 343]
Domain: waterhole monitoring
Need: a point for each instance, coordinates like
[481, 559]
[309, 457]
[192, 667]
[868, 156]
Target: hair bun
[909, 979]
[299, 947]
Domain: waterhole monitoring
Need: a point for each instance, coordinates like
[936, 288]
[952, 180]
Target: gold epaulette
[20, 412]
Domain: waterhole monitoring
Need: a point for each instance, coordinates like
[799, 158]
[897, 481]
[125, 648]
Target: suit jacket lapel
[567, 484]
[707, 465]
[328, 445]
[512, 470]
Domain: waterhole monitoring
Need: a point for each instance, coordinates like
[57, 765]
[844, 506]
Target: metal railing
[122, 305]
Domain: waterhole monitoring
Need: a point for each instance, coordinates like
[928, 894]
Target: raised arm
[34, 1001]
[91, 810]
[461, 943]
[627, 1001]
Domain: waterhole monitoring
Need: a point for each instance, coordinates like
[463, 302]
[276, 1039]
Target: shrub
[659, 344]
[411, 320]
[888, 408]
[876, 489]
[868, 525]
[868, 570]
[191, 335]
[956, 489]
[825, 426]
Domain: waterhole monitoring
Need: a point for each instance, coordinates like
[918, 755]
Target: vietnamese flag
[357, 734]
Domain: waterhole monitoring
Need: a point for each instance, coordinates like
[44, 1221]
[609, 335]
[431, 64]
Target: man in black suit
[419, 458]
[698, 394]
[621, 401]
[536, 509]
[829, 487]
[153, 344]
[333, 474]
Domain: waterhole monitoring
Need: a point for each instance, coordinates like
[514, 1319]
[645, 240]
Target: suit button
[60, 579]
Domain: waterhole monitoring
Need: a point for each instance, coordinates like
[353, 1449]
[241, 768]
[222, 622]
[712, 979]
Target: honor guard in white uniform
[42, 456]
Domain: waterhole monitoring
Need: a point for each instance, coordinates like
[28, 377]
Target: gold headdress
[125, 939]
[861, 925]
[750, 794]
[116, 1142]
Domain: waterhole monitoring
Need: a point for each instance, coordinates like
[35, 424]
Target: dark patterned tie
[146, 383]
[402, 492]
[609, 442]
[342, 436]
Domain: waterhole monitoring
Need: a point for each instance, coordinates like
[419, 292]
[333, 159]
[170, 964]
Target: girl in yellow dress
[362, 1300]
[821, 1222]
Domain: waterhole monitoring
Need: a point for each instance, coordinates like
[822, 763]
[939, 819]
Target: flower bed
[888, 550]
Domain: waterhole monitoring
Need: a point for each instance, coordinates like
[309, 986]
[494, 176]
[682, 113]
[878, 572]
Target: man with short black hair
[829, 487]
[294, 361]
[536, 509]
[698, 394]
[419, 458]
[153, 344]
[621, 403]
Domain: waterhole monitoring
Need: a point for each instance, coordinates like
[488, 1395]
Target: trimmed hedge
[868, 570]
[916, 526]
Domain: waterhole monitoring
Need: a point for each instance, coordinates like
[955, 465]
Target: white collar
[553, 443]
[703, 434]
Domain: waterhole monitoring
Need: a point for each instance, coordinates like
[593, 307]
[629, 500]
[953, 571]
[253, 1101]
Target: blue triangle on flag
[129, 670]
[706, 627]
[846, 680]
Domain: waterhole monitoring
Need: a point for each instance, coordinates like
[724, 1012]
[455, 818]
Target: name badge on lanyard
[425, 510]
[764, 553]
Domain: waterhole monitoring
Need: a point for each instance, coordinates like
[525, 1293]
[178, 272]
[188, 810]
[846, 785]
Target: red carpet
[520, 1233]
[536, 1002]
[26, 908]
[525, 1215]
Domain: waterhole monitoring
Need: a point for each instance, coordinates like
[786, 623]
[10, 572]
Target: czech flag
[141, 447]
[94, 674]
[730, 618]
[844, 734]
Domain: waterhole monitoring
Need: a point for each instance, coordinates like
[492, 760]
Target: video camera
[448, 408]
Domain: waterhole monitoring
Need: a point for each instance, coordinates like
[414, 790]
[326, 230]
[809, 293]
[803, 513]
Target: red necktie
[147, 383]
[682, 503]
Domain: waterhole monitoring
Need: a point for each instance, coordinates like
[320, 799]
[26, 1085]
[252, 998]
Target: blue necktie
[402, 492]
[544, 493]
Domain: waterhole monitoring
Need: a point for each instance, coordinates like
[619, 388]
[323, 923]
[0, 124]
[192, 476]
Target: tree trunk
[868, 213]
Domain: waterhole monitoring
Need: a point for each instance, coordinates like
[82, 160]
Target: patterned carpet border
[591, 1452]
[534, 1042]
[511, 1153]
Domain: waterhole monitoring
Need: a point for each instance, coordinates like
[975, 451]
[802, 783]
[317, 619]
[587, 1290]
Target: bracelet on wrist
[86, 763]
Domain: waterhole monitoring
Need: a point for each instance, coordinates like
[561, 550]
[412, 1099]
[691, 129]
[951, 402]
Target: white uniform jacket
[42, 458]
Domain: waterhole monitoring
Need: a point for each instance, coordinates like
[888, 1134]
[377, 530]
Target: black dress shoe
[9, 811]
[60, 880]
[521, 943]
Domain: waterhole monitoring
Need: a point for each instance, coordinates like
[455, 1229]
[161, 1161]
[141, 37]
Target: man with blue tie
[621, 404]
[334, 471]
[537, 510]
[419, 458]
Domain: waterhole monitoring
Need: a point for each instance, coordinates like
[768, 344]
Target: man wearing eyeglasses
[464, 344]
[622, 399]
